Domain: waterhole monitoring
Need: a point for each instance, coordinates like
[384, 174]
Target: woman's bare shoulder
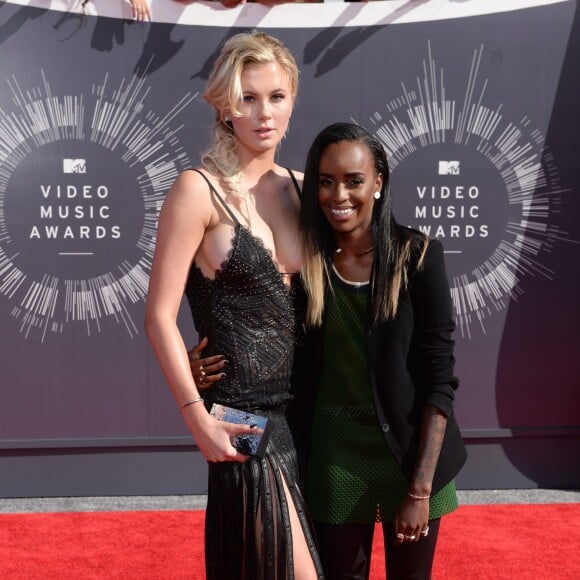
[190, 196]
[293, 179]
[299, 175]
[284, 171]
[191, 186]
[191, 180]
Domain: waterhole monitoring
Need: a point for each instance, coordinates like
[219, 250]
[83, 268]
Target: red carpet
[476, 543]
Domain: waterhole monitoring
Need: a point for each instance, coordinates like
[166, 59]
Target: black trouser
[345, 551]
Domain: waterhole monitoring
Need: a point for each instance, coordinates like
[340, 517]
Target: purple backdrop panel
[99, 114]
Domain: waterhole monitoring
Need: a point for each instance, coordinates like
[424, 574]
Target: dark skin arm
[412, 515]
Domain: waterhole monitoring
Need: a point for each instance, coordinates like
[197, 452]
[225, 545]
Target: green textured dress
[352, 476]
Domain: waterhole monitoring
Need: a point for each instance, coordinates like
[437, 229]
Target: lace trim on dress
[234, 248]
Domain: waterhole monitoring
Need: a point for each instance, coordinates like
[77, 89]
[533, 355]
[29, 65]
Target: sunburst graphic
[492, 186]
[82, 180]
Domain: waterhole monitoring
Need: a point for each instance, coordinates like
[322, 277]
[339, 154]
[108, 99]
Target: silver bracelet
[417, 497]
[192, 402]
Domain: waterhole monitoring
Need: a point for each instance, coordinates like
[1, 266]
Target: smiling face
[266, 108]
[347, 181]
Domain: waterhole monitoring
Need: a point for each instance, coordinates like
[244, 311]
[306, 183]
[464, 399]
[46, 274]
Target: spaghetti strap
[218, 196]
[295, 181]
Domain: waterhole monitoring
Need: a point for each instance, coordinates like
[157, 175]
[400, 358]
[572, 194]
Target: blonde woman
[228, 236]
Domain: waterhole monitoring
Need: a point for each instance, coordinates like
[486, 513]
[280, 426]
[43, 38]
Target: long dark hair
[393, 245]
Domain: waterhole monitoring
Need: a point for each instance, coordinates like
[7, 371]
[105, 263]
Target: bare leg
[286, 524]
[303, 565]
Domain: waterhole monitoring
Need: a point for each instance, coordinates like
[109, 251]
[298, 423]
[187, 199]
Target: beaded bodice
[249, 316]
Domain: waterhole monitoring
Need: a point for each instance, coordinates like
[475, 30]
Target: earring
[377, 195]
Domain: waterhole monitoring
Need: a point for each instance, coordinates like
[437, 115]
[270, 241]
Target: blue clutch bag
[247, 443]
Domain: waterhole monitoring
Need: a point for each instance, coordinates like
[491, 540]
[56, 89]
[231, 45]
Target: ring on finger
[400, 536]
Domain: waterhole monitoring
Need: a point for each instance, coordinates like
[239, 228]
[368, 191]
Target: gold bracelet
[192, 402]
[417, 497]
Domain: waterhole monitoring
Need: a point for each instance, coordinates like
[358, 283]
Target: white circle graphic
[482, 183]
[83, 179]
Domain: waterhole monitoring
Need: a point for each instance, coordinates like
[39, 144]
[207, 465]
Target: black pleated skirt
[247, 528]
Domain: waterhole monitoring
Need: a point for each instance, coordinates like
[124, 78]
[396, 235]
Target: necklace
[367, 251]
[349, 282]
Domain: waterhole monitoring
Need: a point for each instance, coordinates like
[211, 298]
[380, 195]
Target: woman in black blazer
[374, 380]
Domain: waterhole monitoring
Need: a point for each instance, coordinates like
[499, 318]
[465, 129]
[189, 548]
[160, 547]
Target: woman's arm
[433, 361]
[433, 424]
[412, 516]
[186, 215]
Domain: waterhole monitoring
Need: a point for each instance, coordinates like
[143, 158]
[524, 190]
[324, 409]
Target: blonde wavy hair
[224, 93]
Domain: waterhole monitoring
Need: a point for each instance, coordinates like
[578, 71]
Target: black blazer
[410, 363]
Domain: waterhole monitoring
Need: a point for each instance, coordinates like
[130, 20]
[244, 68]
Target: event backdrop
[476, 105]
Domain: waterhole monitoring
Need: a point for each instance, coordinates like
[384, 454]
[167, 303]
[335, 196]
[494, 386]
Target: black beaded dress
[249, 316]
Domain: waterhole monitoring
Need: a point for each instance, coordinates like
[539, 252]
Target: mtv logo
[74, 165]
[448, 167]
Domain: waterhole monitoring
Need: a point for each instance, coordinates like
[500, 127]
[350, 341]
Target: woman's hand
[213, 437]
[141, 10]
[206, 371]
[412, 520]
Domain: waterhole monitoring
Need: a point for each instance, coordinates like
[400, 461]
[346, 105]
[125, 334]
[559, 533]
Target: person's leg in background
[410, 560]
[345, 550]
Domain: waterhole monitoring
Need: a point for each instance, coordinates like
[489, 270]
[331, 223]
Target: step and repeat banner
[475, 103]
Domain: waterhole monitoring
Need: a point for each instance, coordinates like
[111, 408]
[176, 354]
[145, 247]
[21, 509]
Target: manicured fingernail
[223, 376]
